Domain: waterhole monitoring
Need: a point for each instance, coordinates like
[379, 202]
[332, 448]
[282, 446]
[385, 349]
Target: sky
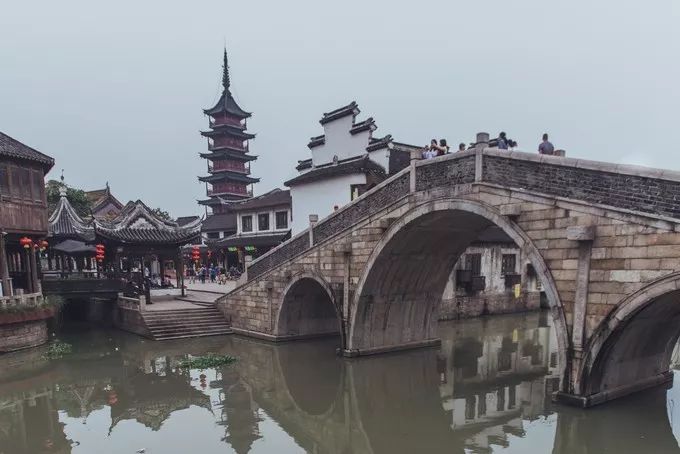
[114, 91]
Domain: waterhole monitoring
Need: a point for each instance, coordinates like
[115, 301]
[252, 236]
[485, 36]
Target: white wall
[339, 142]
[381, 157]
[320, 197]
[256, 227]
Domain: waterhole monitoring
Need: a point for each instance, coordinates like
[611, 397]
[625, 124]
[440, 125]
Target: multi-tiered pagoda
[228, 178]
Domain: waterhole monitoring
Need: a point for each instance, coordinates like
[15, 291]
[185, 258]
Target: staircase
[182, 323]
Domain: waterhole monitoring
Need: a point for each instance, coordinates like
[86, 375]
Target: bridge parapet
[633, 189]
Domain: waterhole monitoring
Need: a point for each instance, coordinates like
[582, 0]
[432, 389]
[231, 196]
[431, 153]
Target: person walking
[546, 147]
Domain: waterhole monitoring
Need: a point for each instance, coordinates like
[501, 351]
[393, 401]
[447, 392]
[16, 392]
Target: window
[473, 262]
[281, 219]
[4, 180]
[16, 181]
[246, 223]
[25, 183]
[263, 221]
[37, 185]
[508, 263]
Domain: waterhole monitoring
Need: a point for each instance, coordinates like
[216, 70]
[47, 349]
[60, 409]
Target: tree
[162, 214]
[76, 197]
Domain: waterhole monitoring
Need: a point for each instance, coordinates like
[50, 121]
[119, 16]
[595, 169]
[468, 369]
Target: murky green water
[485, 391]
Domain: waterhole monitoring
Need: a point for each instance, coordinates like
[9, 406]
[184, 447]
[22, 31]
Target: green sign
[250, 248]
[232, 249]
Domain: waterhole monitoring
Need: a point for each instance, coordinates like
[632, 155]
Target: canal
[485, 390]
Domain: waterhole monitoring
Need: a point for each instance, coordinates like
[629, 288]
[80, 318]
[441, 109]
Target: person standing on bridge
[502, 141]
[546, 147]
[461, 146]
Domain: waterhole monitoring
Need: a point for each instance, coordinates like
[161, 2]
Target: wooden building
[23, 213]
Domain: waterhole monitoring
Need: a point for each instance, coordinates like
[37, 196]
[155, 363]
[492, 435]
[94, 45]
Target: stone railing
[132, 304]
[26, 301]
[640, 189]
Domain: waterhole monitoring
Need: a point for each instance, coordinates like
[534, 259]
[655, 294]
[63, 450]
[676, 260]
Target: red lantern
[26, 242]
[196, 254]
[43, 245]
[100, 249]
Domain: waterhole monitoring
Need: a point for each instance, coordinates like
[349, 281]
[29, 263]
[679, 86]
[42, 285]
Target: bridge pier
[353, 353]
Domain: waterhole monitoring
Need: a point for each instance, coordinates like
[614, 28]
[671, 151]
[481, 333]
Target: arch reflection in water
[487, 389]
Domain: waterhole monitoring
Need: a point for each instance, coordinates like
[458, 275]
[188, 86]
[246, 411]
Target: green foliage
[206, 361]
[76, 197]
[162, 214]
[50, 301]
[57, 350]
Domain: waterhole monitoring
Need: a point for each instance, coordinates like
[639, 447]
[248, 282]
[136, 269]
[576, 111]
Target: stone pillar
[313, 220]
[347, 257]
[4, 269]
[28, 264]
[269, 286]
[585, 236]
[480, 145]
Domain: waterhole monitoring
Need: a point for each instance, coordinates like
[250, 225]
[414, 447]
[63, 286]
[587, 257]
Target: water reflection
[485, 390]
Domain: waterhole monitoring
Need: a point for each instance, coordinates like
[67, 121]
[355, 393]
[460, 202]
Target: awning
[72, 247]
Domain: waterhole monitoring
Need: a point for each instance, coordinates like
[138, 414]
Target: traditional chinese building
[347, 160]
[104, 204]
[228, 160]
[23, 223]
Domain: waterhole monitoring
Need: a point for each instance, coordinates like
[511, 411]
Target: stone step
[186, 332]
[185, 336]
[182, 311]
[195, 314]
[205, 324]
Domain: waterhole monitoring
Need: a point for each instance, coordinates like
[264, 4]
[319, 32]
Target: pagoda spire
[225, 73]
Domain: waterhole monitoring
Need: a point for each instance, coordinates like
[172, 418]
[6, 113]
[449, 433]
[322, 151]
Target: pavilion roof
[137, 224]
[12, 148]
[66, 222]
[100, 198]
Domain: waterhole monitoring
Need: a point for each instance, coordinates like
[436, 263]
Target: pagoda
[228, 160]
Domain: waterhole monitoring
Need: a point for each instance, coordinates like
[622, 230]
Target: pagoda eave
[228, 176]
[228, 132]
[224, 154]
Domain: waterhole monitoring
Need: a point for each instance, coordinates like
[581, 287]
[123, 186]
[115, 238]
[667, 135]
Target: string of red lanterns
[196, 254]
[100, 250]
[26, 242]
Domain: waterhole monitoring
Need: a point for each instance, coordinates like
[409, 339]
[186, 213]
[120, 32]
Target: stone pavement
[212, 288]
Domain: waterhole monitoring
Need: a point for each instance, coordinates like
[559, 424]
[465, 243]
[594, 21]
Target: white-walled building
[346, 161]
[262, 222]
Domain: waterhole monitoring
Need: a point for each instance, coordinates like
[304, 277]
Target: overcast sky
[114, 91]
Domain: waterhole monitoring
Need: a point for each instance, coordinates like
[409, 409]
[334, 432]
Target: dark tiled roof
[12, 148]
[362, 164]
[184, 220]
[379, 143]
[228, 131]
[350, 109]
[316, 141]
[137, 224]
[226, 103]
[102, 197]
[365, 125]
[273, 198]
[66, 223]
[225, 175]
[73, 247]
[223, 222]
[304, 164]
[236, 155]
[273, 239]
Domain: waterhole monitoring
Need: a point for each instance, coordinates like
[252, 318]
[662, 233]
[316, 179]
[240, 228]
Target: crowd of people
[212, 274]
[440, 148]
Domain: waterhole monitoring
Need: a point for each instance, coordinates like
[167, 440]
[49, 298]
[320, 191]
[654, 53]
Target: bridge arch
[307, 309]
[631, 349]
[396, 300]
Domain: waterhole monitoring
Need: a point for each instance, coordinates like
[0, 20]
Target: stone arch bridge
[603, 239]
